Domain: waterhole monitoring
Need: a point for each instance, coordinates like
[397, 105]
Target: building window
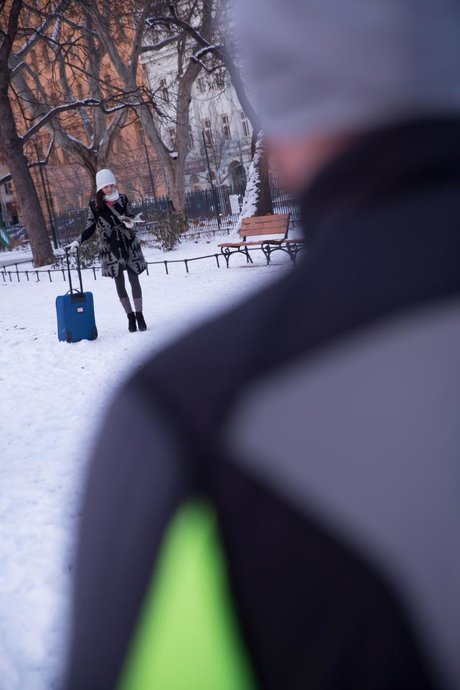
[219, 79]
[201, 86]
[8, 188]
[208, 132]
[164, 90]
[245, 125]
[172, 137]
[226, 127]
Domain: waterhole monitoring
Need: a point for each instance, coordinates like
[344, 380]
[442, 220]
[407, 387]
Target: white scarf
[114, 196]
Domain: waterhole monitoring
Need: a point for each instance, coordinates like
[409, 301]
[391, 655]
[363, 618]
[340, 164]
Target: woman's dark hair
[100, 203]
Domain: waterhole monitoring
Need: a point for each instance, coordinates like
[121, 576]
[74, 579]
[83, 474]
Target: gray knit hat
[323, 65]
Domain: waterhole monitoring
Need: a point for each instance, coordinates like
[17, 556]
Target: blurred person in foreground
[284, 512]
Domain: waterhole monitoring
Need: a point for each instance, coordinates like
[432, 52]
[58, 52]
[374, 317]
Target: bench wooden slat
[267, 218]
[263, 231]
[276, 224]
[256, 242]
[241, 244]
[257, 220]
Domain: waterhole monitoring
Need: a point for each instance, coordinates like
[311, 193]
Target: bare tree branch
[40, 32]
[9, 36]
[159, 45]
[85, 102]
[222, 54]
[9, 177]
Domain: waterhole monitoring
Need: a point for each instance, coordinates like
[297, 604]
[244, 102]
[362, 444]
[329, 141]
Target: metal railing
[11, 276]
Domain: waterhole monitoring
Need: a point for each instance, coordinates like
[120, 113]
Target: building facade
[220, 134]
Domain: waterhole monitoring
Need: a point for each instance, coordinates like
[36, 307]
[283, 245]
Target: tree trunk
[177, 195]
[30, 209]
[264, 200]
[257, 198]
[176, 189]
[173, 168]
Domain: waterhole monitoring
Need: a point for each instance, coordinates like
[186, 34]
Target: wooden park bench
[261, 226]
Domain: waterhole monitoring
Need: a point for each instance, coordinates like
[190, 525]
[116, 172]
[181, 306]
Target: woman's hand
[127, 221]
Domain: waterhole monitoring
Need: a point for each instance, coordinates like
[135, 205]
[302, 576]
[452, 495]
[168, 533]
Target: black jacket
[320, 419]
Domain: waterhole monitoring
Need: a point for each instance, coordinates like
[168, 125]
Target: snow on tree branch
[85, 102]
[8, 177]
[159, 45]
[225, 57]
[56, 30]
[206, 49]
[40, 31]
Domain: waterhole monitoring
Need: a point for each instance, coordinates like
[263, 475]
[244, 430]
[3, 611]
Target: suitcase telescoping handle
[69, 272]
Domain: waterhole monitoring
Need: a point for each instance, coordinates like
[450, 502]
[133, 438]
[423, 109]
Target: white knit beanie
[325, 65]
[103, 178]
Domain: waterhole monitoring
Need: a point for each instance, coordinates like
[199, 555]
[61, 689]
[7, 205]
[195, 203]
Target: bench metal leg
[292, 250]
[248, 256]
[267, 252]
[226, 254]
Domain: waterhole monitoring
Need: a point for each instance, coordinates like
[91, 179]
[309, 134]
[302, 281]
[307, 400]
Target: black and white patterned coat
[119, 247]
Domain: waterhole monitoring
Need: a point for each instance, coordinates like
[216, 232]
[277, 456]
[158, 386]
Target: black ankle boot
[141, 321]
[132, 322]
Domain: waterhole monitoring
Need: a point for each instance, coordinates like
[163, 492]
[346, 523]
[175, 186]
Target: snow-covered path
[52, 397]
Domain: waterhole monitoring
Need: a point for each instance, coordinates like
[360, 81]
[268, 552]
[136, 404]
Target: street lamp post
[214, 191]
[152, 185]
[47, 200]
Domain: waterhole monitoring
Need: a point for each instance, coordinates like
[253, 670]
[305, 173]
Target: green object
[187, 636]
[5, 238]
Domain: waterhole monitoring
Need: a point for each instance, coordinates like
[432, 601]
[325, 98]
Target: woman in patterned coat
[111, 215]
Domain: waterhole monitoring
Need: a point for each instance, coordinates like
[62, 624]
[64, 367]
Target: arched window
[237, 175]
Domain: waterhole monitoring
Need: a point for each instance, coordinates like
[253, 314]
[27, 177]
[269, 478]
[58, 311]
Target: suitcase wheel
[94, 333]
[68, 336]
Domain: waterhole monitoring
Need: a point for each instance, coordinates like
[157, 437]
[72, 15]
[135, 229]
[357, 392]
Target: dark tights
[135, 284]
[135, 289]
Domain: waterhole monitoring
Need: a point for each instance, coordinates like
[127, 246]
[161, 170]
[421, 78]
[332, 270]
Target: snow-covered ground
[53, 395]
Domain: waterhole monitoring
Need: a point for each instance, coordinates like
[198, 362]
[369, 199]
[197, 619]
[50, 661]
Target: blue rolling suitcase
[75, 311]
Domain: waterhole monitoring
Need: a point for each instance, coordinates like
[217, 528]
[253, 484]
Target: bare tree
[76, 74]
[151, 21]
[11, 144]
[28, 104]
[212, 55]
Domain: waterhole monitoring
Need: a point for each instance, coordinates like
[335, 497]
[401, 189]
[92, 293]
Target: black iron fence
[208, 211]
[14, 273]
